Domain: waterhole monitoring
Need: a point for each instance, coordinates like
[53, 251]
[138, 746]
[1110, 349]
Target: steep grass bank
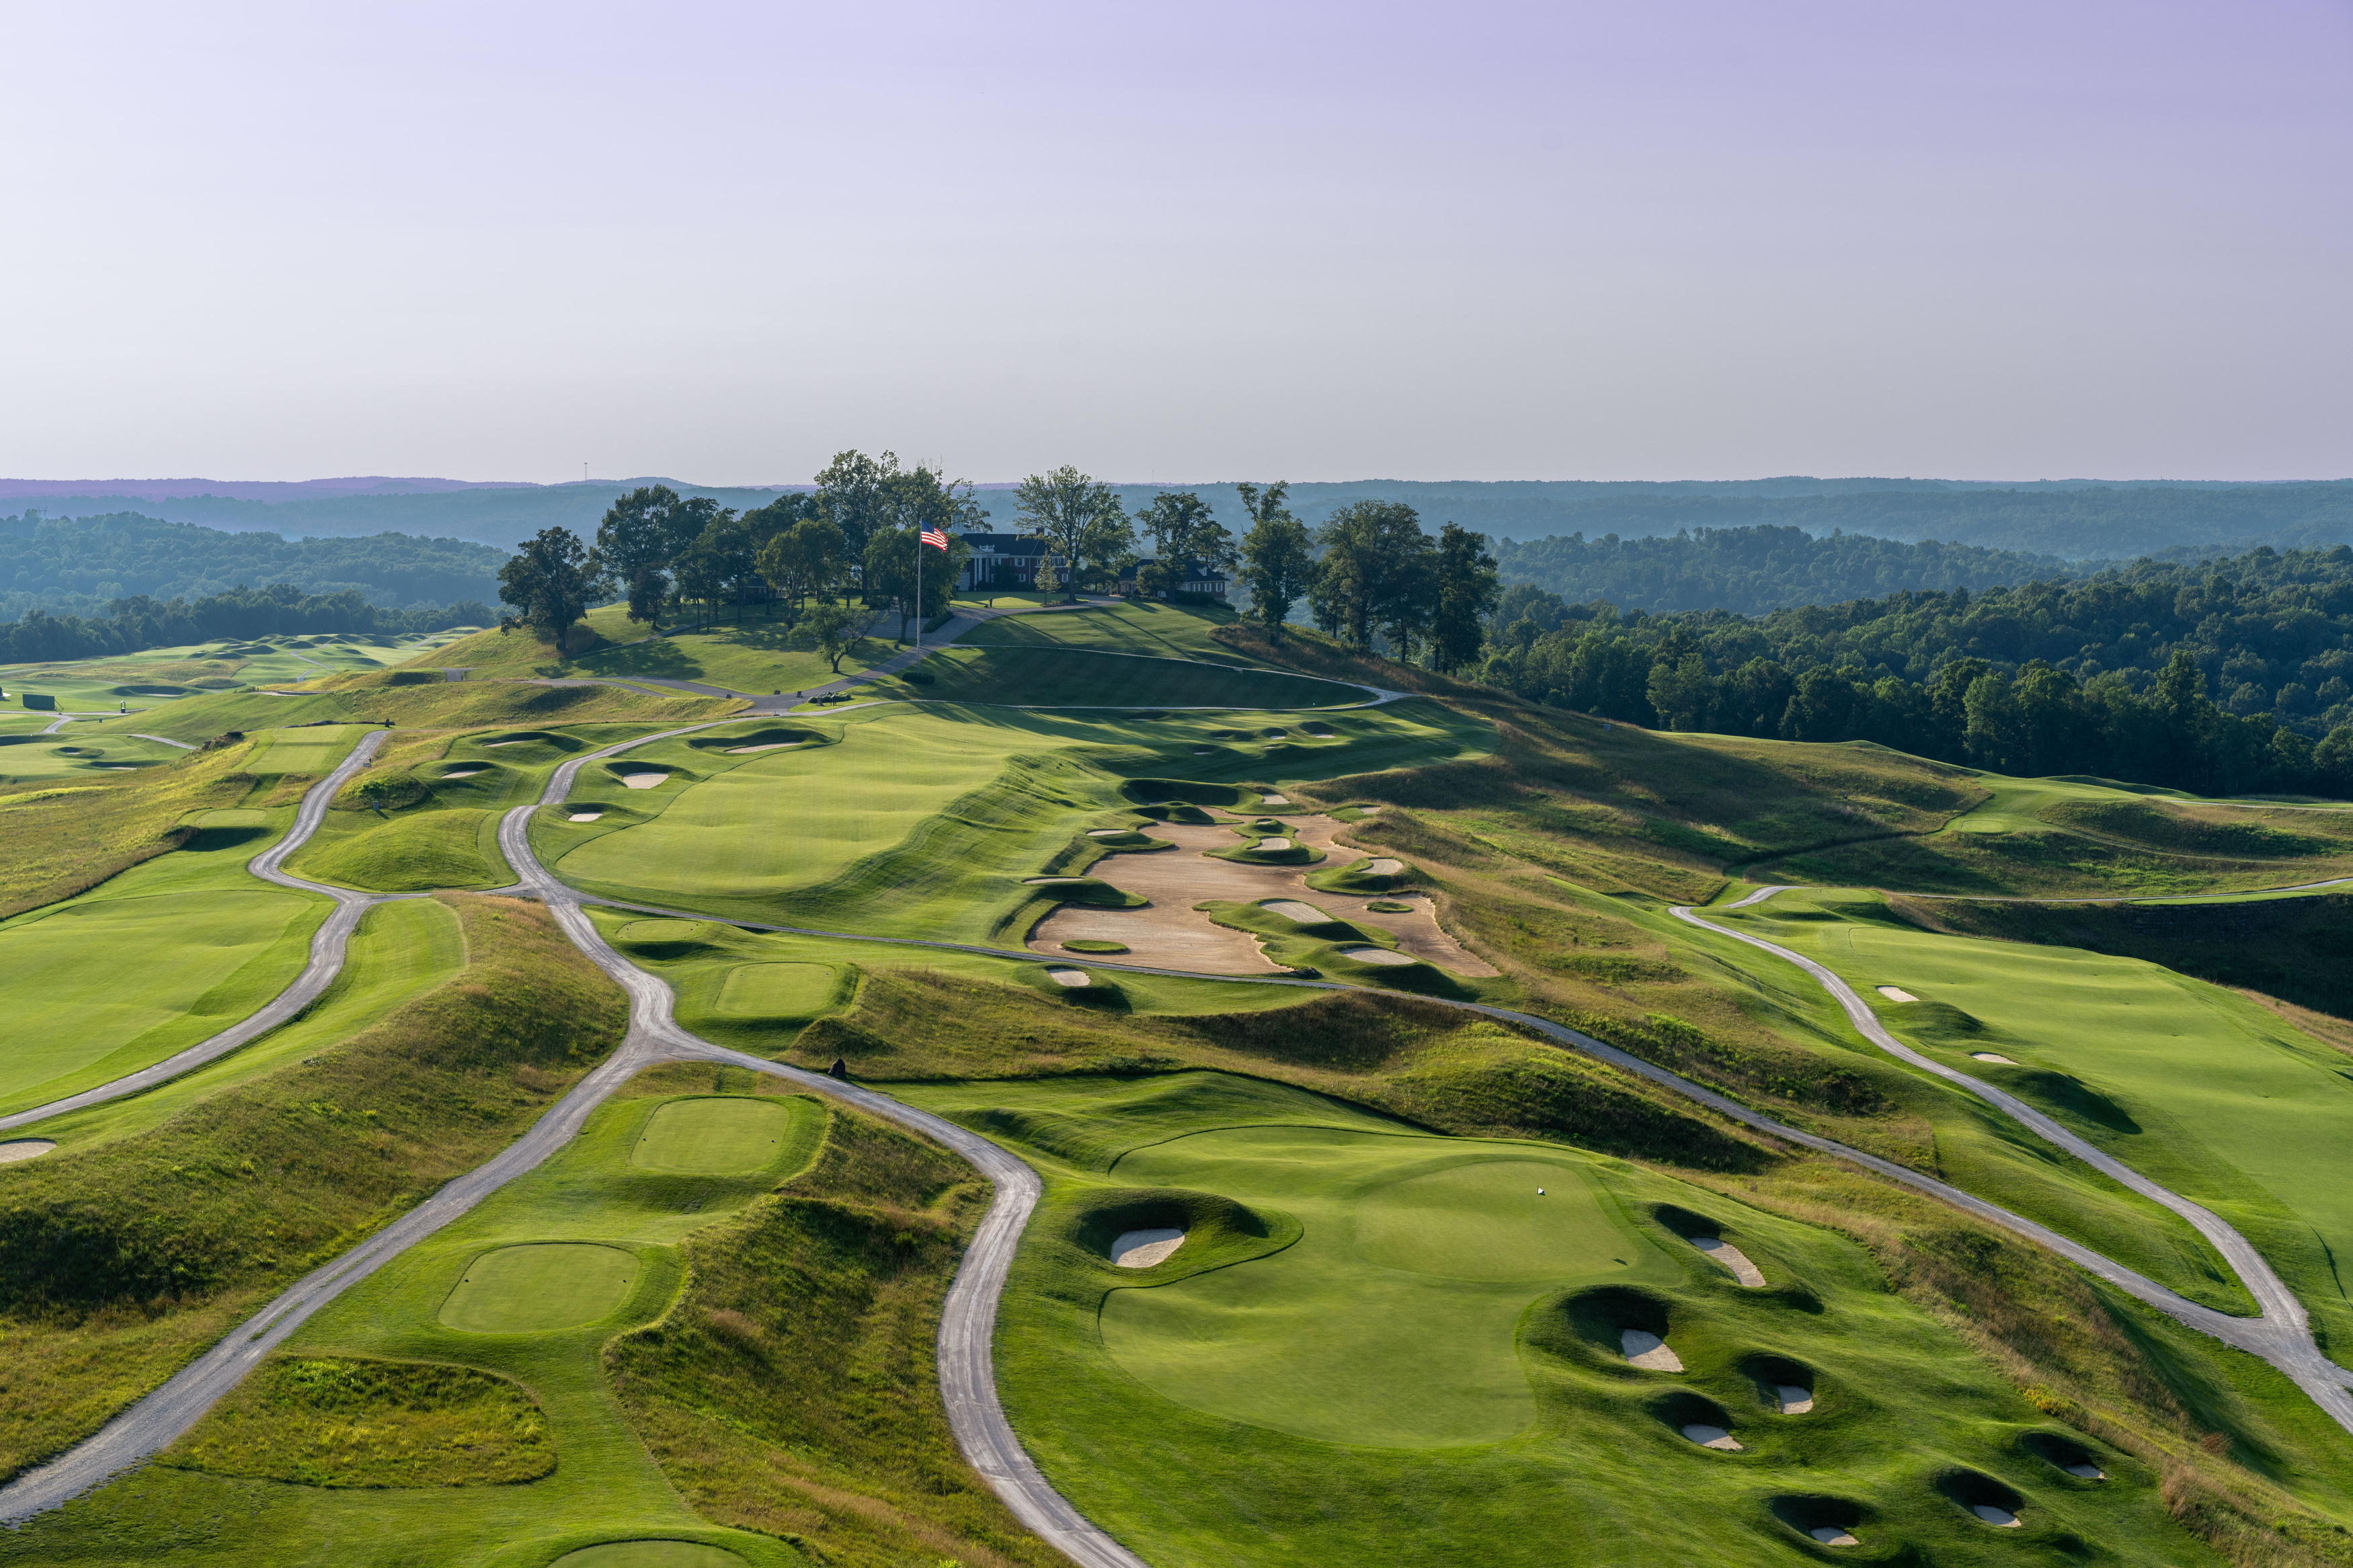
[119, 1263]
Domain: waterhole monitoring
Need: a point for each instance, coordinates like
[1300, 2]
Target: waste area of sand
[1169, 931]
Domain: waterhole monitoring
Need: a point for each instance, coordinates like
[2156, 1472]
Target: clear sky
[1584, 239]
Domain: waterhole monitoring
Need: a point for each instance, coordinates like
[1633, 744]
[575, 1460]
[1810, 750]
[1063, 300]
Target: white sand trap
[1274, 799]
[771, 746]
[1074, 978]
[1732, 1258]
[1832, 1535]
[644, 780]
[584, 815]
[2001, 1518]
[1378, 955]
[2080, 1472]
[25, 1149]
[1795, 1401]
[1897, 994]
[118, 767]
[1708, 1437]
[1382, 865]
[1275, 843]
[1646, 1351]
[1991, 1057]
[1293, 910]
[462, 774]
[487, 744]
[1143, 1248]
[1109, 832]
[1049, 881]
[1204, 751]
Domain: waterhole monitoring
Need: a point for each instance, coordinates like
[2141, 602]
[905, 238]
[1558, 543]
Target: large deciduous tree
[1467, 591]
[1081, 519]
[853, 494]
[1277, 560]
[1374, 574]
[1184, 529]
[635, 545]
[551, 582]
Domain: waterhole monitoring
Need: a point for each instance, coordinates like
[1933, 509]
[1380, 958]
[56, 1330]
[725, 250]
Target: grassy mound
[539, 1288]
[349, 1423]
[412, 853]
[118, 1260]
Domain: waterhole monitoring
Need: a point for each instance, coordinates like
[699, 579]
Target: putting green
[319, 750]
[1487, 1221]
[777, 990]
[1402, 1265]
[715, 1137]
[539, 1286]
[651, 1554]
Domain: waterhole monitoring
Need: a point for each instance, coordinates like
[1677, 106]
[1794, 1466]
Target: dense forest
[2217, 677]
[79, 566]
[281, 610]
[1753, 570]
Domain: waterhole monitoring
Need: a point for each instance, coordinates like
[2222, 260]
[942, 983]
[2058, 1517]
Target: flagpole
[919, 593]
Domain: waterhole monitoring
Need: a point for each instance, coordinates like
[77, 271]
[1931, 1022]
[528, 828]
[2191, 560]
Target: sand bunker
[644, 780]
[1991, 1057]
[584, 815]
[1074, 978]
[1832, 1535]
[1204, 751]
[1646, 1351]
[1143, 1248]
[2000, 1517]
[1109, 832]
[1732, 1258]
[1275, 843]
[1708, 1437]
[771, 746]
[1380, 955]
[25, 1149]
[1051, 881]
[1274, 799]
[1293, 910]
[2080, 1472]
[1897, 994]
[1794, 1400]
[462, 774]
[1168, 930]
[1382, 865]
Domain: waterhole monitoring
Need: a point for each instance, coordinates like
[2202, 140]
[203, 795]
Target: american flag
[936, 538]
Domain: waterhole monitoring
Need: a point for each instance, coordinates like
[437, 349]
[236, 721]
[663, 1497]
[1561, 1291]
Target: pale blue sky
[1322, 240]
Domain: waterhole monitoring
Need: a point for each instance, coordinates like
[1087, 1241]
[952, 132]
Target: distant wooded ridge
[2072, 518]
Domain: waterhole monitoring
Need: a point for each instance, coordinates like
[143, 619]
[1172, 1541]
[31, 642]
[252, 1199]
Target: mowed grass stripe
[1050, 676]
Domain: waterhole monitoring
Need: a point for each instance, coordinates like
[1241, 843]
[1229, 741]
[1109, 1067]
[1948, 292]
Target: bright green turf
[172, 950]
[412, 852]
[1135, 626]
[539, 1286]
[717, 1136]
[1049, 675]
[757, 658]
[399, 951]
[606, 1489]
[319, 750]
[1309, 1404]
[36, 758]
[779, 990]
[2206, 1093]
[922, 821]
[649, 1555]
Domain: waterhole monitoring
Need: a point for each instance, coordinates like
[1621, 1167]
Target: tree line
[139, 622]
[2226, 678]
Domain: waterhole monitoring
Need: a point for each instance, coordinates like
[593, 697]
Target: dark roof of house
[1006, 543]
[1191, 570]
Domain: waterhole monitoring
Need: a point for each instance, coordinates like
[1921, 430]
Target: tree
[1183, 530]
[834, 629]
[892, 571]
[1277, 560]
[634, 544]
[1372, 573]
[1079, 518]
[852, 495]
[551, 581]
[810, 557]
[1467, 591]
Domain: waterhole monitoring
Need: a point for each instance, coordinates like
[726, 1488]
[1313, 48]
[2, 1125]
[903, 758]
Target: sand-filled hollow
[1793, 1400]
[1896, 994]
[584, 816]
[1169, 931]
[1380, 955]
[1074, 978]
[771, 746]
[1293, 910]
[463, 772]
[1383, 865]
[1732, 1258]
[1144, 1248]
[1833, 1535]
[644, 780]
[25, 1149]
[1646, 1351]
[1991, 1057]
[1708, 1437]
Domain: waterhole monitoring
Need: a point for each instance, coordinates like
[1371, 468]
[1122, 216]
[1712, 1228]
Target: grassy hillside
[754, 658]
[121, 1258]
[1049, 675]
